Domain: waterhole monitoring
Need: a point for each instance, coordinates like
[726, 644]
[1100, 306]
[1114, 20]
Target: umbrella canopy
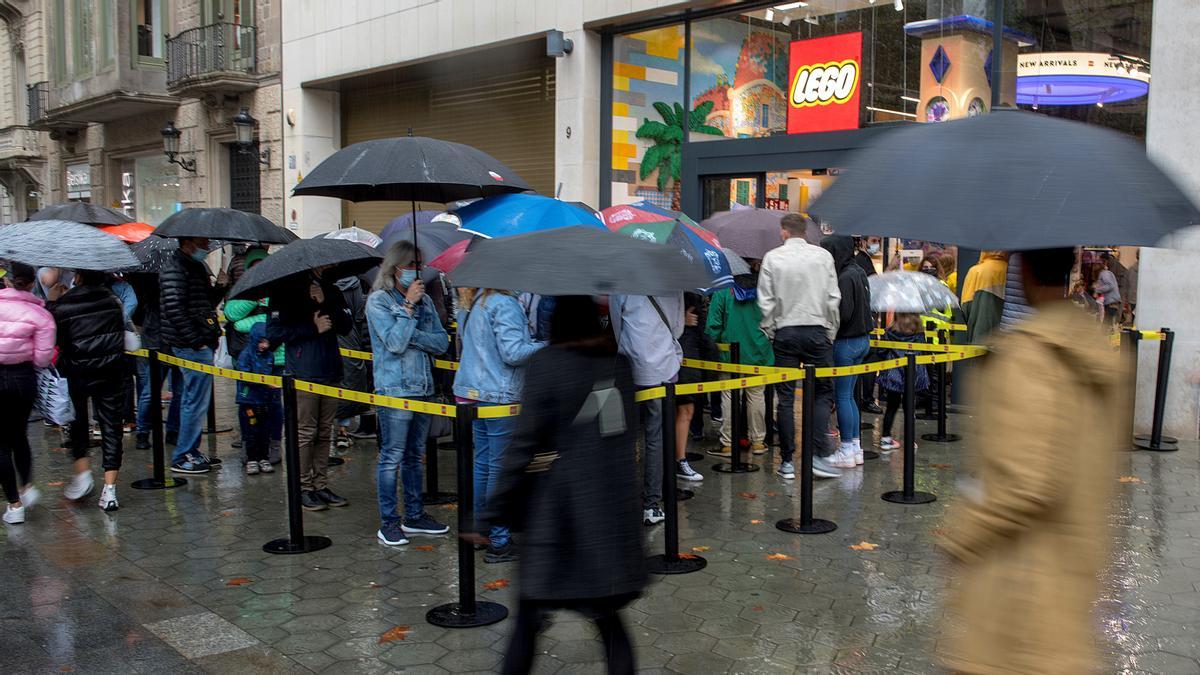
[696, 245]
[513, 214]
[409, 168]
[752, 232]
[737, 264]
[451, 258]
[1010, 180]
[130, 233]
[432, 234]
[62, 243]
[577, 261]
[642, 211]
[81, 212]
[354, 234]
[295, 261]
[914, 292]
[223, 224]
[152, 252]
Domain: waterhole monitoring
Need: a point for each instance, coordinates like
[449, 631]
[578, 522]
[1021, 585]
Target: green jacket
[732, 321]
[243, 317]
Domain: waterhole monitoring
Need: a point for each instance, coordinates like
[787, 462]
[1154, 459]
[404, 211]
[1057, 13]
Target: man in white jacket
[647, 331]
[799, 298]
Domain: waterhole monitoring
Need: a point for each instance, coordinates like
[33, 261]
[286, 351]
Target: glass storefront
[149, 189]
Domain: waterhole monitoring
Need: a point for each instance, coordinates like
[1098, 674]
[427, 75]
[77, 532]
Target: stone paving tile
[203, 634]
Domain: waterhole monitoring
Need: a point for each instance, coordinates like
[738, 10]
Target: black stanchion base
[436, 498]
[942, 438]
[863, 424]
[682, 495]
[729, 467]
[217, 431]
[898, 497]
[336, 461]
[286, 546]
[693, 456]
[684, 564]
[797, 526]
[451, 616]
[153, 484]
[1165, 438]
[870, 454]
[928, 417]
[1164, 446]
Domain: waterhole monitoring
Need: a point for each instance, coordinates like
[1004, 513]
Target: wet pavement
[177, 580]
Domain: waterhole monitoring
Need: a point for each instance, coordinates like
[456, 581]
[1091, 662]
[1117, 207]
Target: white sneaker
[859, 460]
[822, 468]
[14, 515]
[108, 498]
[684, 471]
[30, 497]
[887, 445]
[653, 516]
[80, 487]
[265, 467]
[786, 470]
[842, 459]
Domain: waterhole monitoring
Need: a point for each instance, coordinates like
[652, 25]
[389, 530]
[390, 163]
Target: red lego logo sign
[825, 76]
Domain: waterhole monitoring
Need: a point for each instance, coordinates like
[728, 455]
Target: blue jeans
[401, 447]
[197, 396]
[848, 352]
[143, 396]
[176, 378]
[491, 440]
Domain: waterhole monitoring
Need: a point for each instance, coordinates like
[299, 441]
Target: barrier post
[943, 376]
[432, 494]
[739, 443]
[930, 413]
[909, 495]
[806, 524]
[467, 612]
[160, 479]
[1155, 440]
[212, 411]
[671, 562]
[769, 415]
[296, 541]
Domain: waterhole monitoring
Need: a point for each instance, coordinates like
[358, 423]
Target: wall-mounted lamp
[171, 137]
[557, 44]
[243, 128]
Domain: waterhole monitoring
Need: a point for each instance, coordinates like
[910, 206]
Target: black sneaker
[503, 554]
[309, 501]
[391, 534]
[214, 462]
[143, 442]
[190, 465]
[424, 524]
[326, 495]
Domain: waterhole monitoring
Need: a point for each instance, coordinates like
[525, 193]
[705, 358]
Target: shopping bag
[53, 399]
[222, 357]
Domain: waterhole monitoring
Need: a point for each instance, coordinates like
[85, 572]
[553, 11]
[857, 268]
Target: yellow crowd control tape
[439, 409]
[367, 356]
[973, 350]
[731, 367]
[643, 395]
[1152, 335]
[253, 378]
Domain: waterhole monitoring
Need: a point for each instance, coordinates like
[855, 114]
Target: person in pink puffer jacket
[27, 339]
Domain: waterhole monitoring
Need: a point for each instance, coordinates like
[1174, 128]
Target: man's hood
[841, 248]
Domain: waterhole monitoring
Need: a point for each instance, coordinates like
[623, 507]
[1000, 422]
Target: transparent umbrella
[909, 292]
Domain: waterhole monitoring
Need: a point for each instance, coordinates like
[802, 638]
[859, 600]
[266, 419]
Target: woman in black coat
[570, 483]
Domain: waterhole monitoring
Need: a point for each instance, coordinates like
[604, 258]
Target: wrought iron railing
[37, 95]
[212, 49]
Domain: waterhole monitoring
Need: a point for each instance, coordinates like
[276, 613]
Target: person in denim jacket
[496, 346]
[406, 335]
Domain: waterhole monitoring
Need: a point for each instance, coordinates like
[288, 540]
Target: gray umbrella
[1009, 180]
[577, 261]
[753, 232]
[82, 212]
[737, 265]
[296, 261]
[223, 224]
[62, 243]
[913, 292]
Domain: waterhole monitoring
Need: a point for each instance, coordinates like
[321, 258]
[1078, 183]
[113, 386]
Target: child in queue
[904, 328]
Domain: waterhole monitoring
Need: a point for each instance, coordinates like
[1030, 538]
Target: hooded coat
[1032, 540]
[855, 311]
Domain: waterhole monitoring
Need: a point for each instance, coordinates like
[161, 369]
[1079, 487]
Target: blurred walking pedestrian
[27, 339]
[800, 302]
[983, 295]
[91, 350]
[569, 486]
[1031, 541]
[1107, 286]
[647, 330]
[406, 334]
[496, 345]
[850, 347]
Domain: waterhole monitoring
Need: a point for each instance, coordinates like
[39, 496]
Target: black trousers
[895, 401]
[107, 396]
[18, 386]
[256, 430]
[618, 650]
[807, 345]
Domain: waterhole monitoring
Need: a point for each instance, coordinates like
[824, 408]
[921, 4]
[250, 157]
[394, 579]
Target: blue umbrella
[512, 214]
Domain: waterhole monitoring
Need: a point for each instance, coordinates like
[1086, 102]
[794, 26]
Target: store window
[149, 189]
[149, 17]
[79, 182]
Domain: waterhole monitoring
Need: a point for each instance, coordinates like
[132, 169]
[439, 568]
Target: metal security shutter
[498, 100]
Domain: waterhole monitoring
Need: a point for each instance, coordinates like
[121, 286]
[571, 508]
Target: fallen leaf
[863, 546]
[373, 585]
[495, 585]
[756, 522]
[699, 549]
[747, 495]
[1130, 479]
[778, 556]
[688, 556]
[450, 507]
[772, 494]
[66, 669]
[239, 581]
[756, 608]
[941, 466]
[55, 483]
[395, 634]
[423, 547]
[938, 532]
[226, 514]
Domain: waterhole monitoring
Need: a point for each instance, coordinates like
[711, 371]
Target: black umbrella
[153, 251]
[224, 224]
[1009, 180]
[61, 243]
[577, 261]
[298, 259]
[81, 212]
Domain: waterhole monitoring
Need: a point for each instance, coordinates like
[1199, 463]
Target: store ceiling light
[787, 20]
[812, 19]
[770, 15]
[898, 4]
[790, 5]
[911, 99]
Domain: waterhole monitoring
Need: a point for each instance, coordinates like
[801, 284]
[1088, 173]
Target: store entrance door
[724, 193]
[244, 191]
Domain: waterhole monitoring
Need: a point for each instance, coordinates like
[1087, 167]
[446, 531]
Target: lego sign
[825, 75]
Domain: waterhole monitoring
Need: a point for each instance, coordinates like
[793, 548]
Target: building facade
[95, 82]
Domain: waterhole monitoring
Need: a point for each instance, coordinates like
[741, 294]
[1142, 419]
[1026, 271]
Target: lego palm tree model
[667, 136]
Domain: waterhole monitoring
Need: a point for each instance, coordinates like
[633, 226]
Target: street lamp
[243, 127]
[171, 137]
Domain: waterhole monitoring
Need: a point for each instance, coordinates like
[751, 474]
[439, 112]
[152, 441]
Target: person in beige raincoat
[1030, 542]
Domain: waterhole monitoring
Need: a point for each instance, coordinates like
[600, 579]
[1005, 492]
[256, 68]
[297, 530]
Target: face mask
[407, 277]
[199, 255]
[930, 271]
[873, 249]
